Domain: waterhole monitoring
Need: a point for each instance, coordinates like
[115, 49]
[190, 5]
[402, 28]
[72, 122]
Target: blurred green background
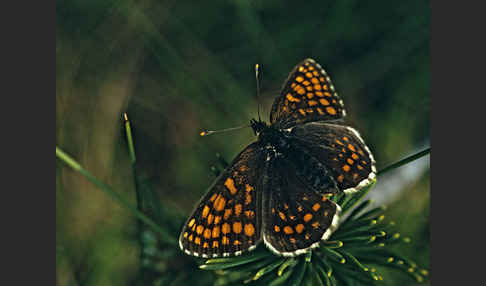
[178, 67]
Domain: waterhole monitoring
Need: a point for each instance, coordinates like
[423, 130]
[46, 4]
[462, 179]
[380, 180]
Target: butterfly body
[277, 189]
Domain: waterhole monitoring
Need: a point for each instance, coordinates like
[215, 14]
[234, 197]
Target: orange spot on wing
[227, 214]
[299, 79]
[199, 229]
[238, 209]
[225, 240]
[299, 228]
[288, 230]
[197, 240]
[350, 161]
[316, 207]
[191, 223]
[230, 185]
[340, 178]
[308, 217]
[210, 219]
[217, 219]
[312, 102]
[250, 214]
[276, 228]
[219, 203]
[331, 110]
[226, 228]
[247, 199]
[354, 156]
[249, 229]
[205, 211]
[215, 244]
[315, 224]
[346, 168]
[237, 227]
[215, 233]
[282, 216]
[207, 233]
[351, 147]
[291, 98]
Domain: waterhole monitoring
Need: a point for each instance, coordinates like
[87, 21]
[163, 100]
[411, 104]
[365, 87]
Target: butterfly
[278, 188]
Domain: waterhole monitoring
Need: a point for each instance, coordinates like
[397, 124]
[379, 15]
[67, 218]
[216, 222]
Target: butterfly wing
[340, 149]
[295, 216]
[307, 95]
[227, 220]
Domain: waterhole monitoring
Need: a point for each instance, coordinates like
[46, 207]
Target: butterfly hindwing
[295, 217]
[307, 95]
[341, 149]
[227, 220]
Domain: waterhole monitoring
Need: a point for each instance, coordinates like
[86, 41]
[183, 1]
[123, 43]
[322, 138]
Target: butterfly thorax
[273, 140]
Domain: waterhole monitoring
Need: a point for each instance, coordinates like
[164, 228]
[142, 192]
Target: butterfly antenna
[257, 72]
[209, 132]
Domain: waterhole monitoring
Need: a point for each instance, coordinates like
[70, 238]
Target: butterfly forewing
[227, 220]
[341, 149]
[307, 95]
[296, 217]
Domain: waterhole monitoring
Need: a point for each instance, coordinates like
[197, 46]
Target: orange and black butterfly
[277, 189]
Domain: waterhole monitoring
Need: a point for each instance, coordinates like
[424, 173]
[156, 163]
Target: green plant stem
[128, 129]
[165, 236]
[404, 161]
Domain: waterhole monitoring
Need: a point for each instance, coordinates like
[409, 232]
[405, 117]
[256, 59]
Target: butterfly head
[258, 126]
